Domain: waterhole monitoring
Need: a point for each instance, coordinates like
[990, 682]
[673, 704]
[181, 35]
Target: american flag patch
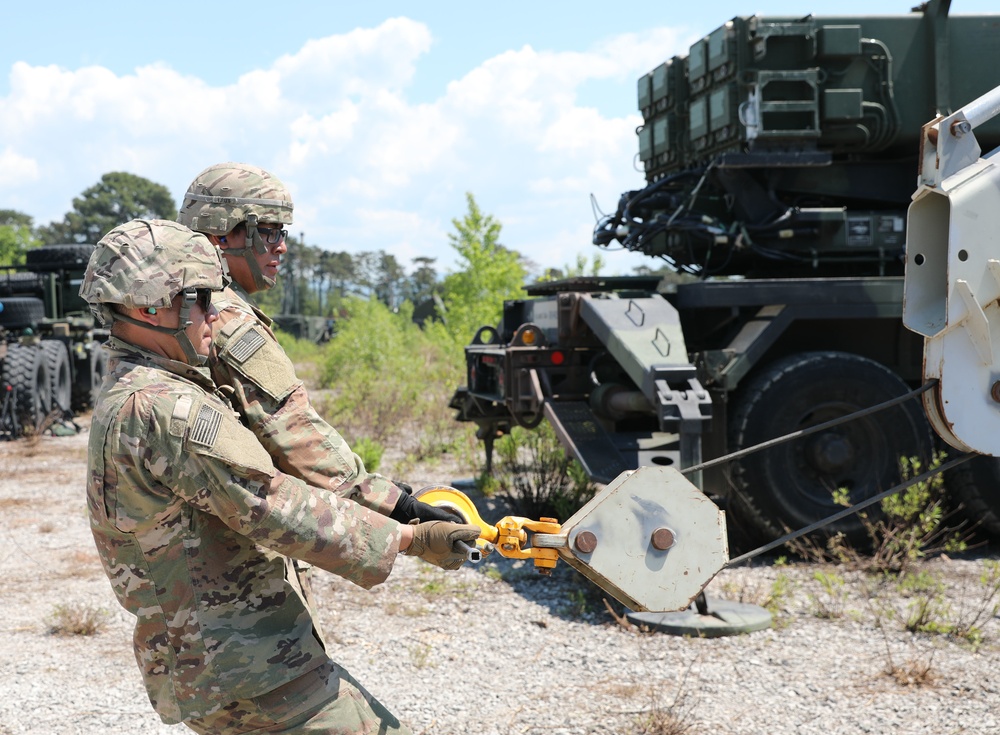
[206, 426]
[245, 346]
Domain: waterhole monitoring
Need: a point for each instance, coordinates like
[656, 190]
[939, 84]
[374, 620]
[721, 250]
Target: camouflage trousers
[326, 700]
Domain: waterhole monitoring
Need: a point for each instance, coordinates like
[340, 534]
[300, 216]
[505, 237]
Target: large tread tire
[72, 256]
[975, 486]
[98, 369]
[22, 284]
[21, 312]
[90, 366]
[26, 371]
[790, 486]
[60, 376]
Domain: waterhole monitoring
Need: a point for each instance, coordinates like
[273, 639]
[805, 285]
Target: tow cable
[923, 477]
[652, 539]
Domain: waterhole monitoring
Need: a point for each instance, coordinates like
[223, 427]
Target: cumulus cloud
[16, 170]
[370, 168]
[355, 64]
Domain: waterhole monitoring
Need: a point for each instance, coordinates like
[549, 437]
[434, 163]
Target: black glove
[409, 509]
[434, 541]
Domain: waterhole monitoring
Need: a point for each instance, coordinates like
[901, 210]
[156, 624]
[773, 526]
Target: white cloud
[16, 170]
[359, 63]
[370, 169]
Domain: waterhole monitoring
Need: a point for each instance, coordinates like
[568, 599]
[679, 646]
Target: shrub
[914, 523]
[76, 619]
[390, 381]
[370, 452]
[534, 473]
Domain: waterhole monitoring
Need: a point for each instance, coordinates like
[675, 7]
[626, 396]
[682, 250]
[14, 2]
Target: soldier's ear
[150, 314]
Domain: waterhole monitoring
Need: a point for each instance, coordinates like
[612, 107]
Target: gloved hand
[434, 541]
[409, 508]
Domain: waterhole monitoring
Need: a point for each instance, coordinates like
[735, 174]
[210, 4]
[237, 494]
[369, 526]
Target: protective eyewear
[272, 235]
[203, 297]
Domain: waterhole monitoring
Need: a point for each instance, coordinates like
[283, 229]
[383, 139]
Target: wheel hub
[831, 453]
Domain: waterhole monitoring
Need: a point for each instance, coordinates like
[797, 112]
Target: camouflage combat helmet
[144, 264]
[224, 195]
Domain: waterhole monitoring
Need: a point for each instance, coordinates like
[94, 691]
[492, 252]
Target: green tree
[390, 280]
[16, 236]
[14, 218]
[342, 271]
[489, 274]
[581, 270]
[118, 197]
[423, 281]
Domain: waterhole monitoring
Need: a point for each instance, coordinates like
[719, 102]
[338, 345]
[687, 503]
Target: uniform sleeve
[212, 462]
[275, 406]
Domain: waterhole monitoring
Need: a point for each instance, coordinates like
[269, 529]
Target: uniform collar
[128, 351]
[238, 291]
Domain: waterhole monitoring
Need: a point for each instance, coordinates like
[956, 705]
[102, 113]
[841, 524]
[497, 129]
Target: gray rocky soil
[496, 648]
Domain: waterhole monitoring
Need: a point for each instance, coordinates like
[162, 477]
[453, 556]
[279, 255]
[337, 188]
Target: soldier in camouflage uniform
[245, 211]
[193, 522]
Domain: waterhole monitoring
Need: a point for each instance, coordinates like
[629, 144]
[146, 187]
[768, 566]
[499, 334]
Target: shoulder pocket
[259, 358]
[215, 432]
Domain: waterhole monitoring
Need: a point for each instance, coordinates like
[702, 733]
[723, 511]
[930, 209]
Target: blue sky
[379, 115]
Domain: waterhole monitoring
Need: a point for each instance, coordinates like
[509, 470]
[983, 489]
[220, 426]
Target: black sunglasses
[272, 235]
[204, 298]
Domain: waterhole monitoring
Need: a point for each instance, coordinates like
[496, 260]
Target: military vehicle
[51, 364]
[780, 155]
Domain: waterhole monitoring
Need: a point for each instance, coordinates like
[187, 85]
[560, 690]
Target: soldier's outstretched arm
[248, 363]
[215, 464]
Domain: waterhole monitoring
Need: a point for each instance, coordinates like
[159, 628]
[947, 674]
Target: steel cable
[811, 430]
[847, 511]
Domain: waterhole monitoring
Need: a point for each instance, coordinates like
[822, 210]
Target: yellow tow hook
[508, 537]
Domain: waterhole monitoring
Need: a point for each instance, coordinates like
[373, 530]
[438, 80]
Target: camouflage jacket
[248, 363]
[193, 523]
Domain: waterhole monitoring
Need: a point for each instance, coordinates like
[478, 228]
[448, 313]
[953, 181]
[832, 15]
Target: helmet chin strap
[188, 298]
[255, 245]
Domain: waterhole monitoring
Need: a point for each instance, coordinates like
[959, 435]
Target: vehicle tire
[21, 312]
[789, 486]
[60, 377]
[22, 284]
[25, 370]
[975, 486]
[72, 255]
[98, 369]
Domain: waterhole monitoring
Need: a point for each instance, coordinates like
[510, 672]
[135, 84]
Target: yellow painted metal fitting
[508, 535]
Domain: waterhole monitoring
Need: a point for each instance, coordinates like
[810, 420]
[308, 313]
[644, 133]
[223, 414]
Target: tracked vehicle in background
[51, 364]
[780, 155]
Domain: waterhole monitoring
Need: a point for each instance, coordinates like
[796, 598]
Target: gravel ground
[496, 649]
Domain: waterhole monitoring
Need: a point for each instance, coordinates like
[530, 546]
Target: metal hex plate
[613, 540]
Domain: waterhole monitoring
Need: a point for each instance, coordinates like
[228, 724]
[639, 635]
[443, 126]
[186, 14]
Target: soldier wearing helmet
[137, 278]
[194, 524]
[245, 211]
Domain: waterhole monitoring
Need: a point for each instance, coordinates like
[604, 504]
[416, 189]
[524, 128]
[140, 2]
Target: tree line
[315, 281]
